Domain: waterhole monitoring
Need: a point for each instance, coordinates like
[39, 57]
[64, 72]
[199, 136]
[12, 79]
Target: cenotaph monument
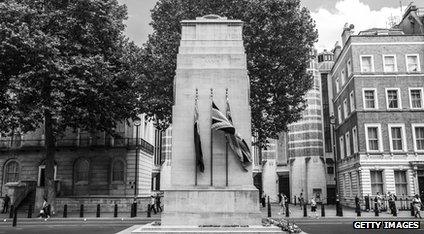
[211, 66]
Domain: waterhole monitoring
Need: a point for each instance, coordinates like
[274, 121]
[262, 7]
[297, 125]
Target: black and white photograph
[211, 116]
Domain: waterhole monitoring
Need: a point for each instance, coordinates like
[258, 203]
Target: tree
[64, 64]
[279, 37]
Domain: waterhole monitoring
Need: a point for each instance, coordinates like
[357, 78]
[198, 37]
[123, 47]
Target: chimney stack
[347, 32]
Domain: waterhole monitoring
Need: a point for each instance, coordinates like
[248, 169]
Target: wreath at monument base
[283, 224]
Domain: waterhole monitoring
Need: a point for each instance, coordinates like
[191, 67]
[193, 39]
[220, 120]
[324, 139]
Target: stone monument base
[211, 206]
[149, 228]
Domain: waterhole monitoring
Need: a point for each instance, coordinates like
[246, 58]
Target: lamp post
[333, 128]
[137, 123]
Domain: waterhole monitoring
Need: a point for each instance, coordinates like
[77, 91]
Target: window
[11, 172]
[370, 99]
[416, 98]
[343, 77]
[393, 99]
[352, 101]
[412, 63]
[373, 137]
[118, 171]
[347, 141]
[397, 136]
[330, 170]
[418, 136]
[339, 113]
[367, 63]
[345, 109]
[355, 139]
[349, 68]
[342, 150]
[389, 63]
[81, 170]
[337, 85]
[400, 183]
[376, 182]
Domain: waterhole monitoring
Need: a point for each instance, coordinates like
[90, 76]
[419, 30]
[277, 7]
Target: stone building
[378, 85]
[90, 168]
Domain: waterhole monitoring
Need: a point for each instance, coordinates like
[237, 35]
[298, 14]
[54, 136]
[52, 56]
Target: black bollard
[65, 211]
[135, 209]
[322, 210]
[15, 217]
[29, 211]
[12, 208]
[269, 208]
[115, 211]
[305, 212]
[287, 210]
[82, 210]
[376, 210]
[132, 210]
[367, 203]
[394, 211]
[149, 211]
[98, 211]
[295, 201]
[340, 210]
[412, 210]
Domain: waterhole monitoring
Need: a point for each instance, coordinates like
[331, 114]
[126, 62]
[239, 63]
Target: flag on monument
[197, 143]
[237, 144]
[220, 122]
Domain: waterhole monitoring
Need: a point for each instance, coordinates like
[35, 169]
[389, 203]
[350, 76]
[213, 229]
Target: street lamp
[336, 177]
[137, 123]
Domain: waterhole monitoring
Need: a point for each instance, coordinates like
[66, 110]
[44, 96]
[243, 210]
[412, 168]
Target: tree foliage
[278, 37]
[64, 64]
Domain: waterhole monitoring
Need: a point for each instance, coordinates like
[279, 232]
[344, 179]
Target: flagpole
[195, 155]
[226, 146]
[211, 140]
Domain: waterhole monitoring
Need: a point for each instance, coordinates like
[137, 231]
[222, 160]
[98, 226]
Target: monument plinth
[212, 63]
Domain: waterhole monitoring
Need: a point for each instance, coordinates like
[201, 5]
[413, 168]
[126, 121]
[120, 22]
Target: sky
[329, 15]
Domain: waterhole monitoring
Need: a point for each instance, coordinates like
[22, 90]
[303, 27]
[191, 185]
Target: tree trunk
[50, 191]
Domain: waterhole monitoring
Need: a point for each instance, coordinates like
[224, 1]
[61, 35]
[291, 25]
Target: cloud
[330, 23]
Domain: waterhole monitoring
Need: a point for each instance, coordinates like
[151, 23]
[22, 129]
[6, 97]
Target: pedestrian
[158, 205]
[279, 197]
[301, 200]
[416, 202]
[392, 202]
[357, 204]
[378, 200]
[152, 204]
[263, 198]
[44, 212]
[314, 207]
[282, 204]
[367, 202]
[6, 201]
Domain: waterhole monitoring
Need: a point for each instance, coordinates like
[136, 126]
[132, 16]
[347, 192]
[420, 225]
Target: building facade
[90, 168]
[378, 85]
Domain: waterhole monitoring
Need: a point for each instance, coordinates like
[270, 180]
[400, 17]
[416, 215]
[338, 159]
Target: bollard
[65, 211]
[149, 211]
[115, 211]
[358, 210]
[394, 211]
[376, 209]
[98, 211]
[82, 211]
[29, 211]
[135, 209]
[12, 208]
[15, 217]
[412, 210]
[287, 210]
[269, 208]
[295, 202]
[322, 210]
[367, 203]
[132, 210]
[305, 212]
[340, 211]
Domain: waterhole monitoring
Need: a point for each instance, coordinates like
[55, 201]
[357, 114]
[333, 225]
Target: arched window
[11, 172]
[81, 170]
[118, 171]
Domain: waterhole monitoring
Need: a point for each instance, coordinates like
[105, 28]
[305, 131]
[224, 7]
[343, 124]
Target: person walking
[282, 204]
[416, 202]
[378, 200]
[152, 204]
[158, 205]
[263, 199]
[6, 201]
[314, 207]
[301, 200]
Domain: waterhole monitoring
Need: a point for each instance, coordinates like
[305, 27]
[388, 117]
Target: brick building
[378, 85]
[90, 169]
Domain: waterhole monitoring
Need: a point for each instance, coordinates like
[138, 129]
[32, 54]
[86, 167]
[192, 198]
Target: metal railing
[80, 143]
